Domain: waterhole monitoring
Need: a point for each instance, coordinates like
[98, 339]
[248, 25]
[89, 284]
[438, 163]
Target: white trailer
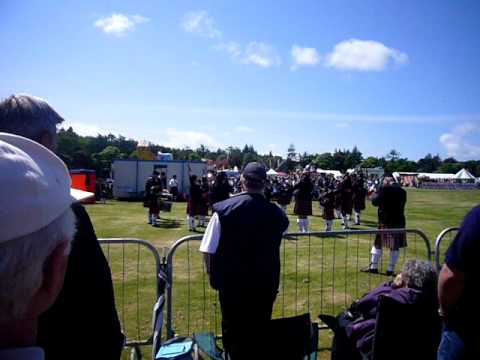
[130, 175]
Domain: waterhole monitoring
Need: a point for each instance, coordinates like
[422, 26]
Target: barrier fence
[320, 274]
[138, 281]
[444, 239]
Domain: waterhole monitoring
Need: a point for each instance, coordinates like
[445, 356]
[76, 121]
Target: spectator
[458, 292]
[391, 200]
[37, 226]
[355, 329]
[242, 252]
[173, 186]
[86, 304]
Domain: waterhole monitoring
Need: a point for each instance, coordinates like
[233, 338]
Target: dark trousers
[245, 323]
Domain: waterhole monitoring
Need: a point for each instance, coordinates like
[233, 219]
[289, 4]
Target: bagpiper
[302, 192]
[153, 190]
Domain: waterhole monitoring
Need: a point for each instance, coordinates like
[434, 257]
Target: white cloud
[84, 129]
[119, 24]
[457, 144]
[244, 129]
[261, 54]
[189, 138]
[231, 47]
[199, 22]
[304, 56]
[364, 55]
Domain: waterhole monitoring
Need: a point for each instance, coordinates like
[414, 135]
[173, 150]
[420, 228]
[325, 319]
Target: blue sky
[320, 74]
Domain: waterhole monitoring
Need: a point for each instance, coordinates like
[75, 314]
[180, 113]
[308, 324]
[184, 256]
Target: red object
[83, 179]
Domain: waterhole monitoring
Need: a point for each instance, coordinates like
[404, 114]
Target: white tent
[335, 173]
[272, 172]
[464, 174]
[437, 176]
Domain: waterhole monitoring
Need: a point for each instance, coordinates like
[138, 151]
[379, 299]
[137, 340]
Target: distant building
[130, 175]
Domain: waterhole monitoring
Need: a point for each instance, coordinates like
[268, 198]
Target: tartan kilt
[393, 241]
[303, 207]
[153, 207]
[328, 213]
[196, 209]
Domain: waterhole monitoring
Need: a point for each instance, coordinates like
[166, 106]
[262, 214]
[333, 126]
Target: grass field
[319, 275]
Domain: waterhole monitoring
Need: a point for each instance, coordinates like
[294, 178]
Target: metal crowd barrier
[444, 239]
[137, 269]
[320, 274]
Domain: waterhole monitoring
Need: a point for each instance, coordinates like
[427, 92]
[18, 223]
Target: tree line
[98, 153]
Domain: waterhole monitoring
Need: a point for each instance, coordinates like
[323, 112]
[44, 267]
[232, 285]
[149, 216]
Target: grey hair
[22, 261]
[28, 116]
[420, 275]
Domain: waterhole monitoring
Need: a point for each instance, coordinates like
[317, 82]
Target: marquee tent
[464, 174]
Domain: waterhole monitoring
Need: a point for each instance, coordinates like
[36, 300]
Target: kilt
[153, 208]
[197, 208]
[393, 241]
[328, 213]
[359, 204]
[347, 206]
[303, 207]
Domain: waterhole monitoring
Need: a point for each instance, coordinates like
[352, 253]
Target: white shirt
[211, 237]
[28, 353]
[173, 183]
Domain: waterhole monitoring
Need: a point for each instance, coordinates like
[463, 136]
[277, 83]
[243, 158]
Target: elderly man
[37, 226]
[242, 250]
[457, 289]
[85, 306]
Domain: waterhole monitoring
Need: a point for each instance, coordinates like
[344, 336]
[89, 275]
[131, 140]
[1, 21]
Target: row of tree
[98, 152]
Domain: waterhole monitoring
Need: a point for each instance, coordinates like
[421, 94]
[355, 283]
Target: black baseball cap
[255, 171]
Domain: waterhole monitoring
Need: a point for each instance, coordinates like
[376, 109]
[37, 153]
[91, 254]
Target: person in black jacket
[85, 308]
[302, 192]
[153, 190]
[221, 188]
[390, 200]
[242, 252]
[195, 202]
[359, 196]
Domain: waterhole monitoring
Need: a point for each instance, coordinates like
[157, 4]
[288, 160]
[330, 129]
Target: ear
[53, 277]
[48, 141]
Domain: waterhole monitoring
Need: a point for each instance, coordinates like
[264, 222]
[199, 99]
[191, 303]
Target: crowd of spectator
[56, 287]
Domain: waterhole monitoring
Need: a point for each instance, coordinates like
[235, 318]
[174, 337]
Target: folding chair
[405, 331]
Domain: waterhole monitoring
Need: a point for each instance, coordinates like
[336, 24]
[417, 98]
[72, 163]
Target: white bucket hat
[34, 187]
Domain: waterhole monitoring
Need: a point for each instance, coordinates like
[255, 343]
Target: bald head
[30, 117]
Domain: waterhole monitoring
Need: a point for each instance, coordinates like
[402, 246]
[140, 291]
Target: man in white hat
[86, 304]
[37, 226]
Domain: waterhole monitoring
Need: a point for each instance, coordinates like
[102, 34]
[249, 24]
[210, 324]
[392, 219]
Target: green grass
[320, 275]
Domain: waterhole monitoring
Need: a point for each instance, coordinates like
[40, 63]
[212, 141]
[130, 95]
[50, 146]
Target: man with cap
[34, 186]
[242, 254]
[86, 304]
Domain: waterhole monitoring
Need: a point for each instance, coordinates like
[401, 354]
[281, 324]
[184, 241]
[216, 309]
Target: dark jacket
[391, 200]
[303, 190]
[221, 191]
[248, 254]
[83, 323]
